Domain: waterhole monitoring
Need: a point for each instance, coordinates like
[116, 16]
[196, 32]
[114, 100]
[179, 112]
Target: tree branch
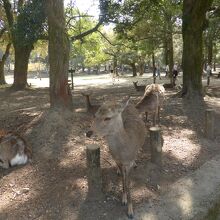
[84, 34]
[5, 56]
[78, 16]
[114, 45]
[106, 38]
[9, 13]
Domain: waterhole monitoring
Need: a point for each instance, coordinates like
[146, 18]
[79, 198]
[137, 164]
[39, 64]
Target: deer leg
[124, 193]
[119, 169]
[135, 165]
[127, 191]
[146, 115]
[158, 114]
[154, 118]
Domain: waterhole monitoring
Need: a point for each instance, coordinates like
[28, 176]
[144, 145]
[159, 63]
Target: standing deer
[138, 88]
[124, 131]
[13, 150]
[89, 107]
[152, 101]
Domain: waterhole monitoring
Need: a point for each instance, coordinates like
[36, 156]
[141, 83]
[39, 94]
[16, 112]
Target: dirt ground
[54, 185]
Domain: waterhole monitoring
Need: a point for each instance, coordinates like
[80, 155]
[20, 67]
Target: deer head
[108, 119]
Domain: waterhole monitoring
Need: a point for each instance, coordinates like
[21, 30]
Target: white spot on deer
[19, 159]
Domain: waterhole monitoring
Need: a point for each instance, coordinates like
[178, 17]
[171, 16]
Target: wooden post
[71, 71]
[72, 79]
[156, 143]
[93, 168]
[209, 123]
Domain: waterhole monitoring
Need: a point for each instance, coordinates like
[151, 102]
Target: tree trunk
[169, 37]
[192, 29]
[2, 64]
[134, 70]
[2, 75]
[141, 66]
[214, 56]
[115, 66]
[170, 54]
[154, 66]
[210, 51]
[59, 47]
[22, 55]
[166, 60]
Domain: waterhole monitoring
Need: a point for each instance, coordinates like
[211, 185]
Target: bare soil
[54, 185]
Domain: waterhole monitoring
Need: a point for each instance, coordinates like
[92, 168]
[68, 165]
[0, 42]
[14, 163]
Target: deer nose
[89, 133]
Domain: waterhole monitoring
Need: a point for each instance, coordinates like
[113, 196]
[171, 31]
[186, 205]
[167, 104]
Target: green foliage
[88, 51]
[29, 24]
[147, 25]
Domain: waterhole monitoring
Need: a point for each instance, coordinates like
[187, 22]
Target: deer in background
[13, 150]
[138, 88]
[89, 107]
[152, 101]
[124, 131]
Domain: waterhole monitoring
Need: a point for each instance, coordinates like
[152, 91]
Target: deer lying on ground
[138, 88]
[89, 107]
[13, 150]
[124, 131]
[152, 101]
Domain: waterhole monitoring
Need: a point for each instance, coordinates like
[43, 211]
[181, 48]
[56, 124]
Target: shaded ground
[55, 186]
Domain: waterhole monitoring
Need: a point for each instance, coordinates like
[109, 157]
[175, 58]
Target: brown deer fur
[137, 87]
[125, 134]
[152, 101]
[13, 150]
[90, 108]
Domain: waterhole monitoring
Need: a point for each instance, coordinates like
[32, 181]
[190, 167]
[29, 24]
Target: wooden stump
[156, 143]
[209, 123]
[93, 168]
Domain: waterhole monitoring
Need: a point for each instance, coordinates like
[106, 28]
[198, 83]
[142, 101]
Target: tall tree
[59, 47]
[2, 64]
[25, 26]
[194, 22]
[5, 38]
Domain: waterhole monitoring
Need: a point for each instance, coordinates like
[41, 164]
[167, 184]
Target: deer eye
[107, 119]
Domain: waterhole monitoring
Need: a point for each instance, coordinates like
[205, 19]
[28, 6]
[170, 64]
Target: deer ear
[124, 104]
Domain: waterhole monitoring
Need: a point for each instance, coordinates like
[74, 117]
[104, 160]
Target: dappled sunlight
[185, 203]
[185, 200]
[151, 216]
[13, 190]
[213, 101]
[182, 145]
[59, 144]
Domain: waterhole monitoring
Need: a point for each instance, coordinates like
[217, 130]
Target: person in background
[175, 73]
[158, 70]
[167, 69]
[208, 72]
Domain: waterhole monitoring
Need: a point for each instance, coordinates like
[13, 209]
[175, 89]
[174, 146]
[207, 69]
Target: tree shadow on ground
[57, 177]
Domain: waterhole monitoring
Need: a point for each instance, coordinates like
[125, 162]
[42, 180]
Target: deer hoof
[118, 171]
[124, 199]
[130, 216]
[130, 211]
